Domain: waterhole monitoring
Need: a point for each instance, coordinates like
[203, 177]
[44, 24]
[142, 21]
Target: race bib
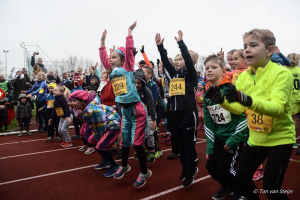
[50, 103]
[200, 99]
[119, 85]
[163, 82]
[177, 86]
[219, 114]
[59, 112]
[258, 122]
[41, 91]
[235, 76]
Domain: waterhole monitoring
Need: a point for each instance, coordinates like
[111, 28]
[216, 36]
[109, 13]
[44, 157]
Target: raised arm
[103, 53]
[145, 57]
[129, 56]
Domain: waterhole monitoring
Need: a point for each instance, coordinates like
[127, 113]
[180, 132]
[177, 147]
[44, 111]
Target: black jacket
[185, 102]
[19, 85]
[41, 65]
[23, 110]
[93, 87]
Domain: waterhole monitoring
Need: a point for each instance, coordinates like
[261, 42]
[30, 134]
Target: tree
[1, 67]
[10, 75]
[73, 62]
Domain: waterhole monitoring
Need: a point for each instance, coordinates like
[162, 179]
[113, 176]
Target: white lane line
[28, 154]
[17, 132]
[175, 188]
[69, 170]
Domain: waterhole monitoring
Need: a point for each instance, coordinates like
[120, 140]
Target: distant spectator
[66, 81]
[92, 70]
[33, 76]
[94, 84]
[19, 83]
[40, 62]
[23, 113]
[5, 86]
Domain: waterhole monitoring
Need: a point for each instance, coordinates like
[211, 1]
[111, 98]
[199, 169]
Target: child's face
[23, 99]
[138, 84]
[213, 71]
[115, 59]
[51, 89]
[147, 75]
[91, 70]
[160, 69]
[181, 63]
[176, 62]
[238, 60]
[255, 52]
[200, 86]
[93, 81]
[56, 92]
[103, 77]
[40, 77]
[230, 60]
[78, 104]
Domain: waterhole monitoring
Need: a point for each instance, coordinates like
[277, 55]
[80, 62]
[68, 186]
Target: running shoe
[83, 148]
[111, 171]
[89, 151]
[121, 171]
[28, 133]
[222, 193]
[58, 139]
[259, 174]
[151, 157]
[67, 145]
[295, 146]
[20, 134]
[173, 156]
[189, 178]
[142, 179]
[102, 165]
[158, 154]
[50, 139]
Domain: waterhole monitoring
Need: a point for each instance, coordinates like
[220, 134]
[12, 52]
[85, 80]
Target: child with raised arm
[134, 115]
[264, 92]
[185, 116]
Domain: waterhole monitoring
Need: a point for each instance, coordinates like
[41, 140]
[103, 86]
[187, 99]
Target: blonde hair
[194, 56]
[215, 59]
[266, 36]
[66, 92]
[44, 75]
[60, 88]
[241, 52]
[294, 58]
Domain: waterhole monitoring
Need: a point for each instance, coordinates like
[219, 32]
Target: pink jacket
[199, 98]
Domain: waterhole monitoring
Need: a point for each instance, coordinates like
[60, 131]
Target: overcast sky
[62, 27]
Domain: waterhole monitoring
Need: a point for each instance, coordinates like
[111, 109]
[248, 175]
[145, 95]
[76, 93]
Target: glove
[157, 61]
[215, 94]
[142, 50]
[134, 51]
[233, 95]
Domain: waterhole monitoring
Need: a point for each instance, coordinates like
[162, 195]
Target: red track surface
[33, 169]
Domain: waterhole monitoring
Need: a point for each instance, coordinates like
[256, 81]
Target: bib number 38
[258, 122]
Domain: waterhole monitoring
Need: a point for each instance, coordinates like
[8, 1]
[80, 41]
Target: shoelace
[140, 178]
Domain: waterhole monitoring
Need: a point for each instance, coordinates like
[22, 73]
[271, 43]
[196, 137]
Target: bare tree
[1, 67]
[73, 62]
[11, 71]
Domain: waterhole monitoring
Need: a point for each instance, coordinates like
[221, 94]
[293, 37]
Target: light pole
[5, 63]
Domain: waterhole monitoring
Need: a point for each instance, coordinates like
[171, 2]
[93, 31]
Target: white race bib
[219, 114]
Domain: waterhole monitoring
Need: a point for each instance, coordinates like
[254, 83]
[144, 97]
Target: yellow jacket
[270, 91]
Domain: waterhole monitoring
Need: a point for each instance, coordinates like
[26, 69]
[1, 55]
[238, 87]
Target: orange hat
[2, 94]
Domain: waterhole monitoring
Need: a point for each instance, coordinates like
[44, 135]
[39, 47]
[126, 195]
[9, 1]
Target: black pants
[174, 133]
[3, 120]
[221, 165]
[77, 123]
[41, 113]
[24, 122]
[185, 122]
[252, 158]
[54, 124]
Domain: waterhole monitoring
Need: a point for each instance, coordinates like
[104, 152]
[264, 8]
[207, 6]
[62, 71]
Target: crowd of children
[248, 112]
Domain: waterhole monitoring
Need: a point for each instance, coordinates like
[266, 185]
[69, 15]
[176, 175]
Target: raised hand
[277, 50]
[103, 37]
[112, 49]
[158, 39]
[96, 64]
[179, 36]
[221, 53]
[142, 50]
[130, 29]
[134, 51]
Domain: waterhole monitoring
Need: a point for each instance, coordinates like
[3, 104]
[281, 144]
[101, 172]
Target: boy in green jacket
[225, 132]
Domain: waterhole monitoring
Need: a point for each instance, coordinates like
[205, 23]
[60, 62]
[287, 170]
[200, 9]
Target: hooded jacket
[146, 94]
[221, 124]
[23, 110]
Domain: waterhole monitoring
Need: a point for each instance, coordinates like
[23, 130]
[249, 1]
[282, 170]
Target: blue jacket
[280, 59]
[40, 89]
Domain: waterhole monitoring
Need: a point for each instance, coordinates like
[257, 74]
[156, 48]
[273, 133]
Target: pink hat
[80, 94]
[121, 50]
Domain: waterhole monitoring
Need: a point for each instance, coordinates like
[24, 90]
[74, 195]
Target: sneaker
[89, 151]
[76, 137]
[67, 144]
[173, 156]
[295, 146]
[142, 179]
[111, 171]
[258, 175]
[189, 178]
[182, 176]
[298, 152]
[151, 157]
[58, 139]
[165, 136]
[158, 154]
[136, 156]
[50, 139]
[83, 148]
[20, 134]
[237, 196]
[222, 193]
[121, 171]
[28, 133]
[102, 165]
[62, 144]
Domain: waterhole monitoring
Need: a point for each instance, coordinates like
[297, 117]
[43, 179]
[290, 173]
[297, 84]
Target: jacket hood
[140, 75]
[226, 79]
[21, 96]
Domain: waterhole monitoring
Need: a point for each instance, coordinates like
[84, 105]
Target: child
[183, 97]
[199, 103]
[49, 109]
[230, 60]
[40, 89]
[3, 110]
[133, 111]
[147, 98]
[94, 84]
[23, 114]
[106, 92]
[264, 91]
[225, 132]
[240, 64]
[92, 74]
[159, 105]
[105, 122]
[62, 110]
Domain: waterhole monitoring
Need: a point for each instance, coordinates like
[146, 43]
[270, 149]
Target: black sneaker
[238, 197]
[173, 155]
[182, 176]
[189, 178]
[222, 193]
[50, 139]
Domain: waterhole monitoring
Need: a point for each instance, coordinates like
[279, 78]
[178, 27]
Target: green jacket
[221, 124]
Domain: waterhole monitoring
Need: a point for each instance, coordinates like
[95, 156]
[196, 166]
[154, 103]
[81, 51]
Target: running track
[33, 169]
